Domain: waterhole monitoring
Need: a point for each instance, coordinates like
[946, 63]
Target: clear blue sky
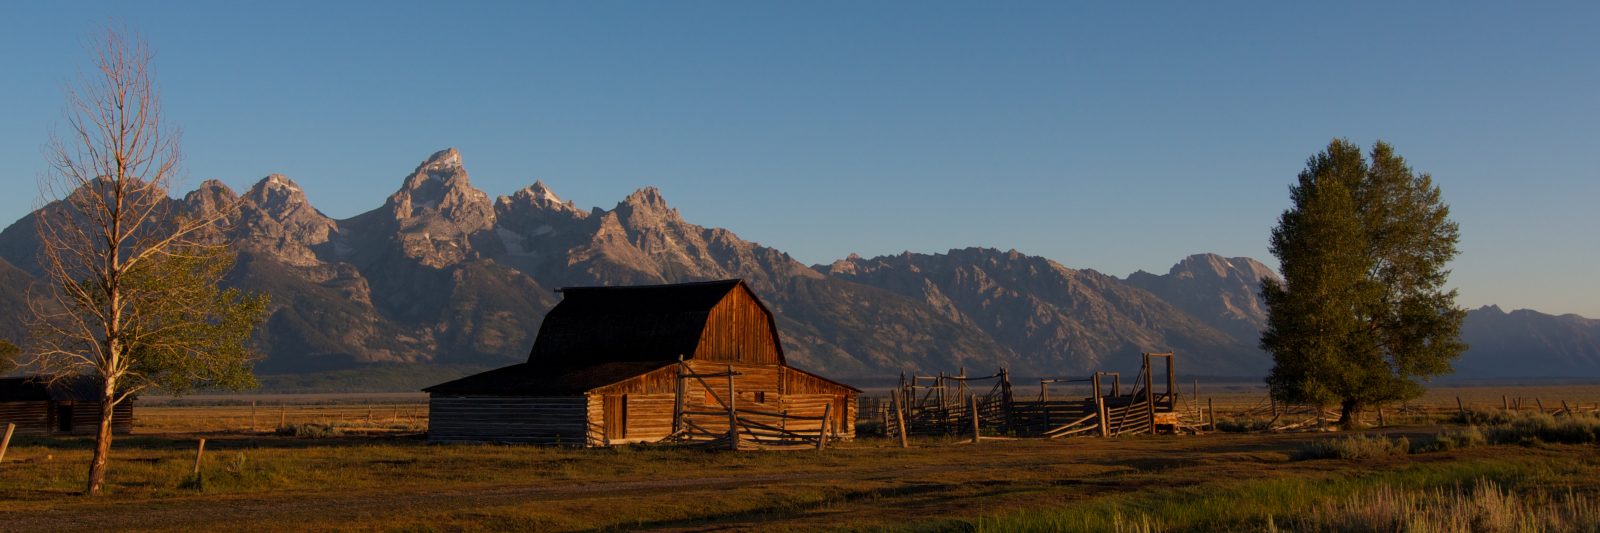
[1111, 136]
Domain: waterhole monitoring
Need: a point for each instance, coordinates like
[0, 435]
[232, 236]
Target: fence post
[6, 441]
[733, 416]
[1461, 409]
[822, 433]
[1540, 403]
[1100, 405]
[1195, 393]
[1563, 408]
[900, 421]
[1505, 404]
[1211, 414]
[975, 419]
[1381, 423]
[1150, 394]
[1044, 402]
[677, 398]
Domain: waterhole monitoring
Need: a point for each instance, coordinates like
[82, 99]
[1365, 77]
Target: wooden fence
[959, 404]
[725, 424]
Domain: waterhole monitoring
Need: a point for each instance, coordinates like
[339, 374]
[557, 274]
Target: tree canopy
[1362, 315]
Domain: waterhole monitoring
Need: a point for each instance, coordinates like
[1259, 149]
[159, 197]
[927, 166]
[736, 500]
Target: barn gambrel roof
[597, 336]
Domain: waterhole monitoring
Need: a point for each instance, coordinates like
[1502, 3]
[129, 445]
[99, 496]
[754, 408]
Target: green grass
[1354, 447]
[1264, 504]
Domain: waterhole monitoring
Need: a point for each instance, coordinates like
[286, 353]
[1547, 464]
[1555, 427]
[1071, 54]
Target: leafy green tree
[132, 293]
[1362, 315]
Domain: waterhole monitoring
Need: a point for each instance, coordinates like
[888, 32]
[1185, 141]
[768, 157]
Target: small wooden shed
[65, 406]
[614, 365]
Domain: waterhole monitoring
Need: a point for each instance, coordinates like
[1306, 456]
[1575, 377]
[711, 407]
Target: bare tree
[132, 292]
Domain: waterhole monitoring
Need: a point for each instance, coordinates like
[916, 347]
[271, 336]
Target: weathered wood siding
[649, 400]
[644, 417]
[31, 418]
[739, 330]
[86, 418]
[44, 418]
[558, 420]
[594, 420]
[810, 395]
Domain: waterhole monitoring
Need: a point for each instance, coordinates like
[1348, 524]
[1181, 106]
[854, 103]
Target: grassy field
[370, 469]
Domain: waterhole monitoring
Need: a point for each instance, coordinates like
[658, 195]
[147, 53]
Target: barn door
[616, 406]
[841, 414]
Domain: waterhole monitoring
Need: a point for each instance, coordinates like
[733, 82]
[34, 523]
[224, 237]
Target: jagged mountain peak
[1216, 266]
[646, 197]
[277, 195]
[448, 158]
[1224, 292]
[440, 186]
[540, 197]
[277, 182]
[210, 196]
[276, 219]
[442, 168]
[214, 185]
[646, 208]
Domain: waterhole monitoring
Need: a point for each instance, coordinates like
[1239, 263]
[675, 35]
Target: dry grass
[1245, 407]
[1357, 447]
[387, 418]
[382, 475]
[1483, 506]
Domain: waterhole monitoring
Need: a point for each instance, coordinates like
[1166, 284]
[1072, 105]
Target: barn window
[761, 396]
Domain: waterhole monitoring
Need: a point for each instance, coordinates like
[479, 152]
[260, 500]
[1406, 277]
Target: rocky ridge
[442, 273]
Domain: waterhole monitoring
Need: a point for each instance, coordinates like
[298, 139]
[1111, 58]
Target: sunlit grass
[1323, 503]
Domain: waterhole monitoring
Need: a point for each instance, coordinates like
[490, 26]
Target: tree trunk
[1350, 415]
[102, 441]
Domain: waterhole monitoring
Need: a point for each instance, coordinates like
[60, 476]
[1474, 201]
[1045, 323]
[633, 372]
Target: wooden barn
[614, 365]
[69, 406]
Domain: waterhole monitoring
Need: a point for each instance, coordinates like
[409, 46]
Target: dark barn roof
[598, 336]
[39, 388]
[657, 323]
[528, 379]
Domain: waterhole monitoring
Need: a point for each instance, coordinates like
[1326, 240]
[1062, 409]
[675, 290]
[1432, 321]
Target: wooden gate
[720, 423]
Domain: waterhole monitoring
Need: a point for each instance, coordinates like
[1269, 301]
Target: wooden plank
[900, 420]
[822, 434]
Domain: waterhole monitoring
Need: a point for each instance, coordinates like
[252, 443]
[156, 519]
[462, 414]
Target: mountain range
[444, 274]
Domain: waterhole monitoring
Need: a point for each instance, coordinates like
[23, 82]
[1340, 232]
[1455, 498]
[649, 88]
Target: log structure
[692, 363]
[947, 404]
[40, 405]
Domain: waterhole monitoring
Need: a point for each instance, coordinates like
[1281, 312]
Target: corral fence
[989, 406]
